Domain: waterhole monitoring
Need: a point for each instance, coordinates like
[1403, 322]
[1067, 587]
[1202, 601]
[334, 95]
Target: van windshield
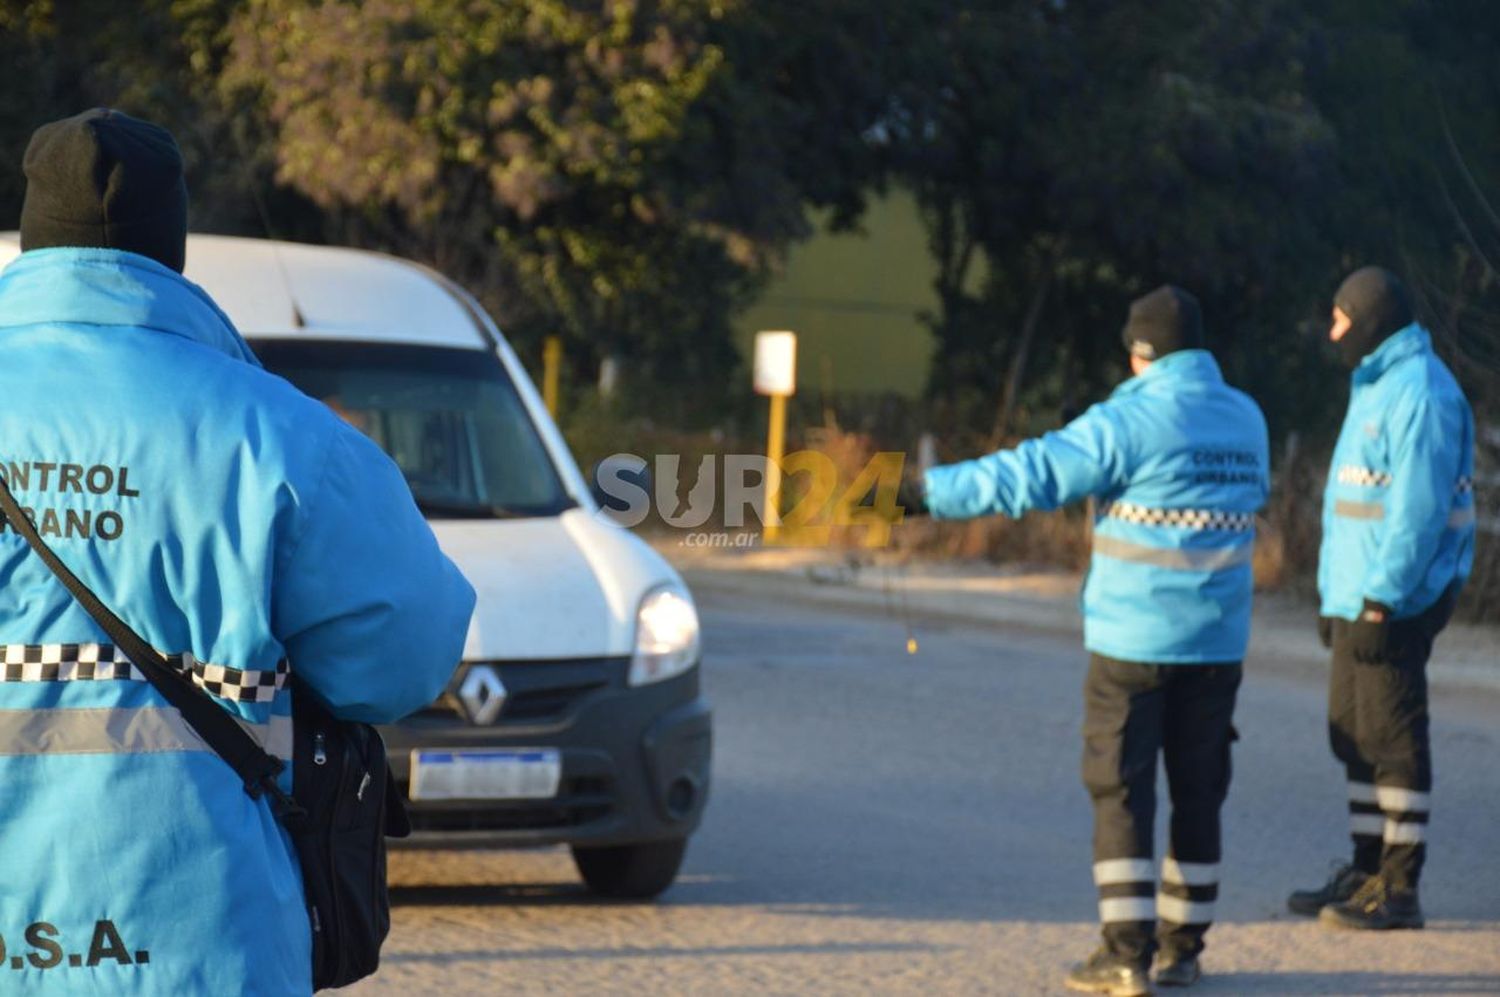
[451, 419]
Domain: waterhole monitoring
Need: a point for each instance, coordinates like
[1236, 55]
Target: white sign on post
[775, 363]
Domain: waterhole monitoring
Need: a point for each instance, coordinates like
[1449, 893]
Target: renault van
[575, 716]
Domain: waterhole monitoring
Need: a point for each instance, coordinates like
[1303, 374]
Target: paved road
[894, 824]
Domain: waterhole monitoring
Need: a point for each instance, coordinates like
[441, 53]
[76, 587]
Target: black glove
[1369, 636]
[912, 496]
[1325, 630]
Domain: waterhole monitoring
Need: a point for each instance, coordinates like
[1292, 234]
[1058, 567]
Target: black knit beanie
[106, 180]
[1378, 307]
[1164, 321]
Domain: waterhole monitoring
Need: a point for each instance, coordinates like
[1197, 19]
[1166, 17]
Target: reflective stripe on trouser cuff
[1189, 873]
[1180, 911]
[105, 731]
[1358, 510]
[1115, 909]
[1369, 824]
[1394, 798]
[1113, 871]
[1185, 558]
[1399, 832]
[1362, 792]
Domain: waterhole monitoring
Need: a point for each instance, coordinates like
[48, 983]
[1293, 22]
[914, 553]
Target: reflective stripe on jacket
[1398, 511]
[245, 531]
[1179, 461]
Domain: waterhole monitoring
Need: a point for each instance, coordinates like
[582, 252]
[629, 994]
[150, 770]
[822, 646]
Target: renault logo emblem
[482, 693]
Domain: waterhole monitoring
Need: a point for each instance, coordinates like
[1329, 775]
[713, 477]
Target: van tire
[630, 872]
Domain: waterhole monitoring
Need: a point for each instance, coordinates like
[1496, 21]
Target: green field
[854, 300]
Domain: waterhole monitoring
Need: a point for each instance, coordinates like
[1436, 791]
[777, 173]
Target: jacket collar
[1183, 365]
[111, 287]
[1409, 342]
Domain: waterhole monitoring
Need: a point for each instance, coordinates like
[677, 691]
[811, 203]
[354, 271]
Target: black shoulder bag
[344, 800]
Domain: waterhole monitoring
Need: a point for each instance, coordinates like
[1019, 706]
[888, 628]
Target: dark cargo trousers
[1133, 712]
[1378, 727]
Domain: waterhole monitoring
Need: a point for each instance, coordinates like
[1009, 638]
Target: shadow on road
[667, 952]
[497, 894]
[687, 891]
[1349, 984]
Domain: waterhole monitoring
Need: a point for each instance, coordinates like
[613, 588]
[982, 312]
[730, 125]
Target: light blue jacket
[1179, 463]
[1398, 512]
[229, 519]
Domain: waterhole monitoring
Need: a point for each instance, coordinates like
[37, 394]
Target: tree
[156, 59]
[1089, 151]
[592, 169]
[624, 173]
[1070, 156]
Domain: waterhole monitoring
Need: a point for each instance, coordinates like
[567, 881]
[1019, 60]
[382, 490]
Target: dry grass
[1286, 553]
[1289, 531]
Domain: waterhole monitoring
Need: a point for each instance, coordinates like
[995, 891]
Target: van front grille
[536, 692]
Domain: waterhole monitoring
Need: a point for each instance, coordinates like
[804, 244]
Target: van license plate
[485, 775]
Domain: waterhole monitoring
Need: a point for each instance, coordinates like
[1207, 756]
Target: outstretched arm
[1086, 457]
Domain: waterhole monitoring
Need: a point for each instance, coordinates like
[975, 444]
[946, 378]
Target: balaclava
[1378, 307]
[104, 179]
[1164, 321]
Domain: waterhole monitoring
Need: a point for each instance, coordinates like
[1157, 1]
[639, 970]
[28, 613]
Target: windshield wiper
[465, 510]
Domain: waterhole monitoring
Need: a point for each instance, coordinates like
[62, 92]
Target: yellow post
[551, 370]
[775, 450]
[775, 375]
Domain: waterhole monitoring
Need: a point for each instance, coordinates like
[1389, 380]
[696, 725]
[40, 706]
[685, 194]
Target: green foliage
[1089, 151]
[560, 157]
[624, 173]
[1252, 152]
[627, 172]
[158, 59]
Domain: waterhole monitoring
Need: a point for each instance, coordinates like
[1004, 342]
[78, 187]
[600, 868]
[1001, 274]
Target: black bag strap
[256, 767]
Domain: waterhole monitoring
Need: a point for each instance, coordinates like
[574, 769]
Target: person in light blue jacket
[1178, 462]
[241, 527]
[1398, 544]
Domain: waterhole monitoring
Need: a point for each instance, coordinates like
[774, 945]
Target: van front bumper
[635, 760]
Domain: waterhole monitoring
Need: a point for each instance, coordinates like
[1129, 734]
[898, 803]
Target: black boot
[1177, 970]
[1108, 973]
[1375, 907]
[1343, 884]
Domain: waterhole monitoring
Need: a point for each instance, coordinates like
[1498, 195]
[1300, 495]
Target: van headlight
[666, 636]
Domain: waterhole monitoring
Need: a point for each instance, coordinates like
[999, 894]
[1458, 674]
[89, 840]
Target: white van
[575, 716]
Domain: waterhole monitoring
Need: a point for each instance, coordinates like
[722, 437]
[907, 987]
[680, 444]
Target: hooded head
[105, 180]
[1377, 306]
[1164, 321]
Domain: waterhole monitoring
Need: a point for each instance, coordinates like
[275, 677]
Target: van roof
[290, 290]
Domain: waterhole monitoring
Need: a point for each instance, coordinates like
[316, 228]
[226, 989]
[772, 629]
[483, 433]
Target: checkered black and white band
[1363, 477]
[105, 662]
[1187, 519]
